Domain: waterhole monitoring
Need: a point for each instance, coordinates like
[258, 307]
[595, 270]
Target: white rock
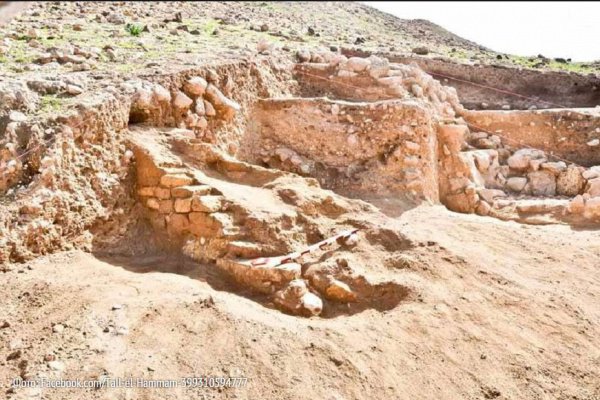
[56, 366]
[593, 142]
[17, 116]
[592, 172]
[312, 303]
[58, 328]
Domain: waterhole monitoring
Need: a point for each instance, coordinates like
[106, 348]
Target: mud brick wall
[569, 134]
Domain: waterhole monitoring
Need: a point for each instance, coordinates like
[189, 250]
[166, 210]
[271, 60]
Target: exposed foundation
[246, 161]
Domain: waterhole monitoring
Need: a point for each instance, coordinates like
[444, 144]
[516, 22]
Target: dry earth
[136, 181]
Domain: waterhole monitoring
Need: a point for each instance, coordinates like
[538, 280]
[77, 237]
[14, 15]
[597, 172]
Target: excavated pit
[244, 162]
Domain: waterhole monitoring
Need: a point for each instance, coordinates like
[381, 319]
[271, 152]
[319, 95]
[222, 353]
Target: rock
[209, 109]
[174, 180]
[554, 167]
[58, 328]
[490, 194]
[483, 208]
[56, 366]
[541, 183]
[209, 204]
[296, 299]
[165, 206]
[199, 108]
[195, 86]
[570, 182]
[122, 331]
[303, 55]
[219, 100]
[592, 208]
[379, 67]
[462, 202]
[14, 355]
[181, 101]
[577, 205]
[183, 205]
[346, 74]
[593, 142]
[4, 325]
[357, 64]
[74, 90]
[115, 18]
[263, 46]
[189, 191]
[161, 94]
[521, 159]
[116, 307]
[421, 50]
[592, 172]
[152, 204]
[312, 303]
[516, 183]
[17, 116]
[340, 291]
[593, 187]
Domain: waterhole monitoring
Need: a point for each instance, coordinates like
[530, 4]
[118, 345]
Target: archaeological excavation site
[328, 221]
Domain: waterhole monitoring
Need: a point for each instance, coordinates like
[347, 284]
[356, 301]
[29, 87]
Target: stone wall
[567, 89]
[361, 149]
[572, 134]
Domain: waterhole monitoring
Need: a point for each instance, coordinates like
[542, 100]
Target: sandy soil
[497, 310]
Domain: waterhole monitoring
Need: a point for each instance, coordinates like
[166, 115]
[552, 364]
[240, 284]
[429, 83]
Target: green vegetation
[50, 103]
[134, 29]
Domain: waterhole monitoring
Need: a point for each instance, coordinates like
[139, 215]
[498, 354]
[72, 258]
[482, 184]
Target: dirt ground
[501, 310]
[151, 162]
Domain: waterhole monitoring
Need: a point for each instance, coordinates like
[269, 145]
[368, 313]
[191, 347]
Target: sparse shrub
[134, 29]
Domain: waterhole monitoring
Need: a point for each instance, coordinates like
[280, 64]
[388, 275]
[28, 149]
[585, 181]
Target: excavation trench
[245, 162]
